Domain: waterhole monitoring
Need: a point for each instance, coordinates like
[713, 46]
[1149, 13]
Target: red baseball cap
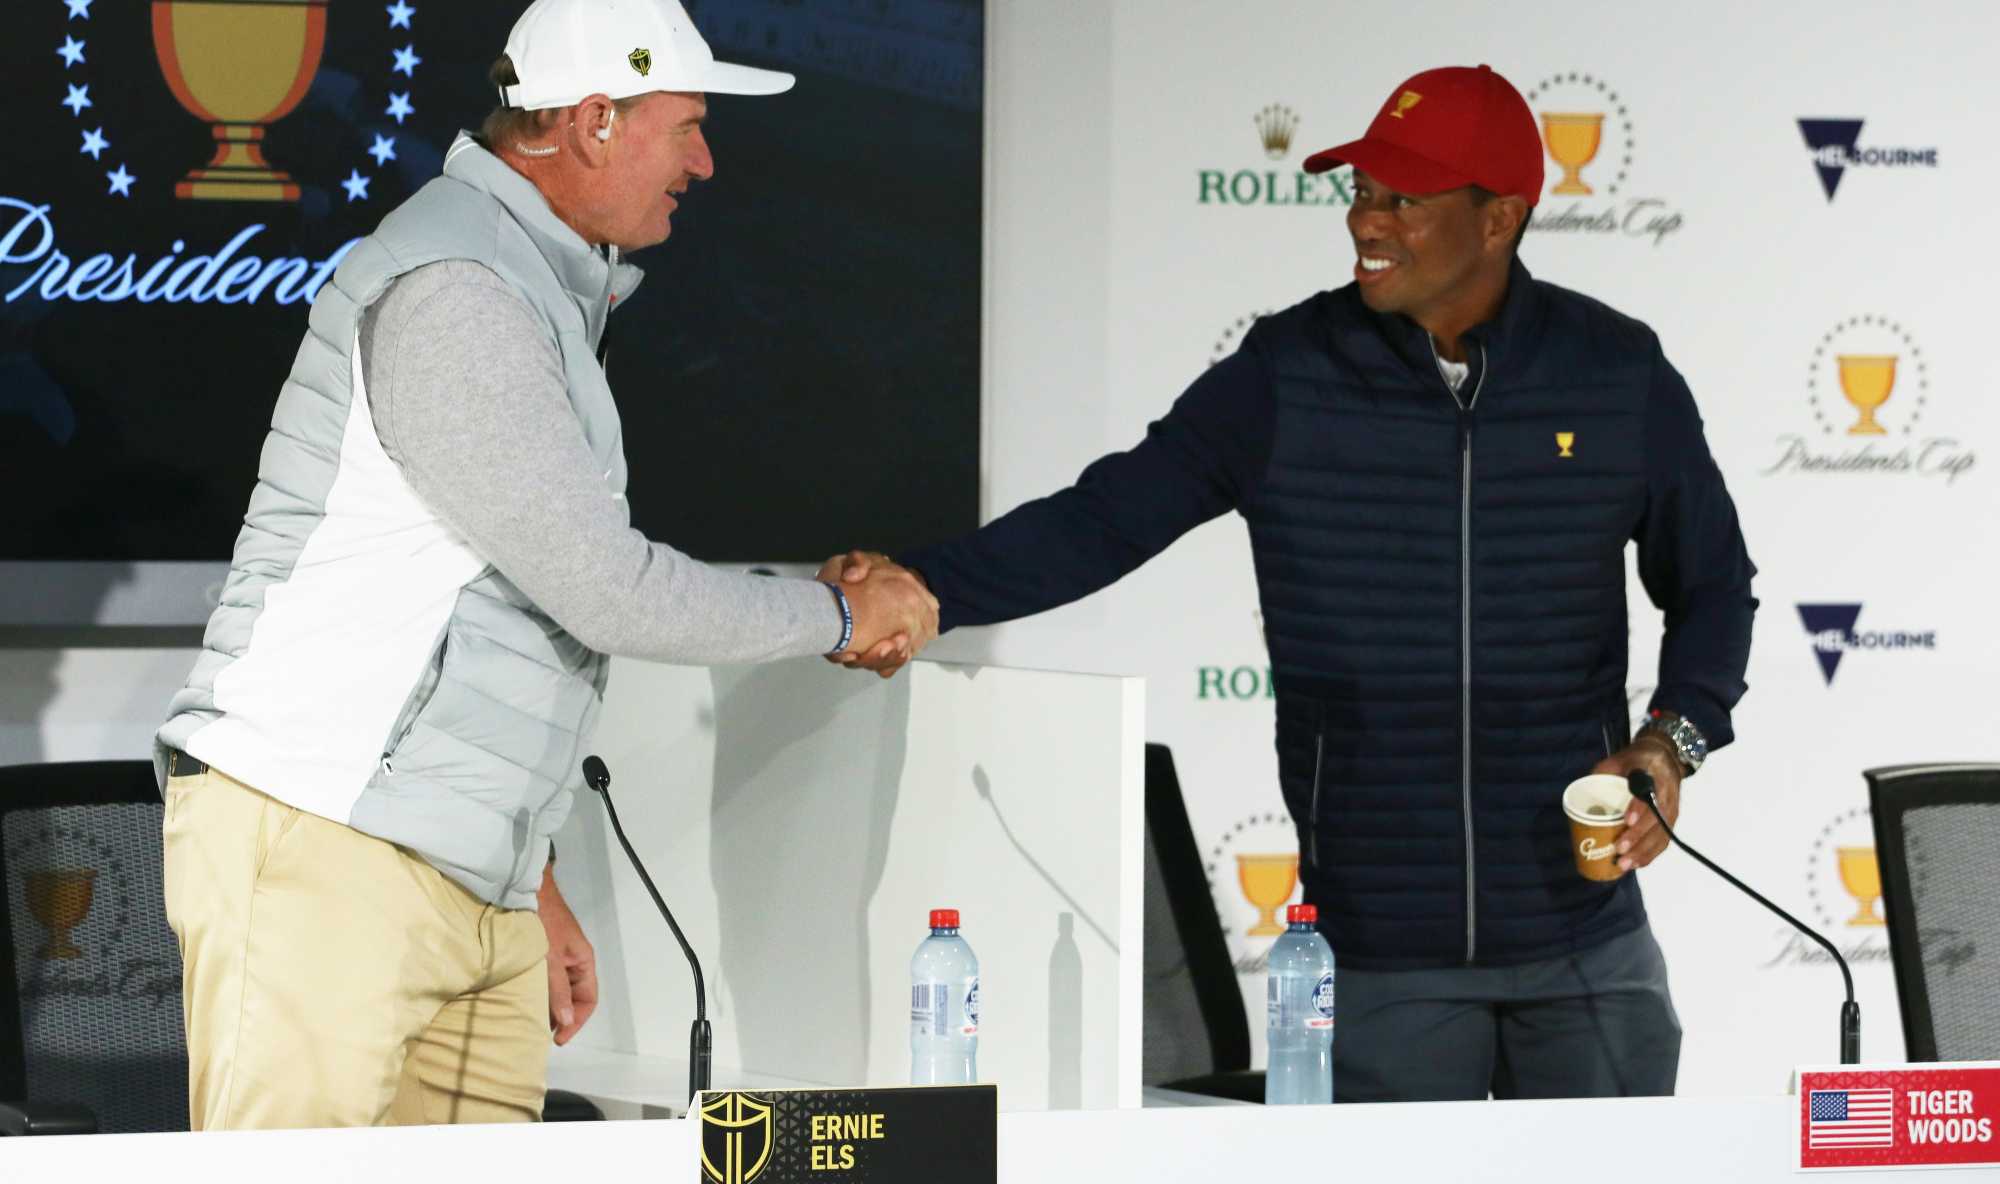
[1446, 129]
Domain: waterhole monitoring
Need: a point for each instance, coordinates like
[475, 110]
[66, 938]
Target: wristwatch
[1690, 746]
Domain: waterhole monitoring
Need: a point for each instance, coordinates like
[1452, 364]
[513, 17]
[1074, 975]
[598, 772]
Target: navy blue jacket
[1443, 586]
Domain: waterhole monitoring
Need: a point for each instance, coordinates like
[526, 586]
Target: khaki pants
[333, 979]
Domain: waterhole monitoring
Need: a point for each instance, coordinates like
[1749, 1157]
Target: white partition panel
[802, 820]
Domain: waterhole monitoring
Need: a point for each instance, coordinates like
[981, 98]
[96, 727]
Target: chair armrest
[564, 1106]
[46, 1118]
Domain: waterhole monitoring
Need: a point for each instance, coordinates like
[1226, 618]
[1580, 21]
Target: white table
[626, 1085]
[1631, 1141]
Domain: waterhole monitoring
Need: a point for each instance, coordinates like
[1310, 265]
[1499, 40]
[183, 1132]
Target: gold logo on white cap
[642, 61]
[1404, 102]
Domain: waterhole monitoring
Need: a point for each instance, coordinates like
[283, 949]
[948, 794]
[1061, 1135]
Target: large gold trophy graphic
[240, 65]
[1861, 876]
[60, 900]
[1572, 139]
[1867, 380]
[1267, 882]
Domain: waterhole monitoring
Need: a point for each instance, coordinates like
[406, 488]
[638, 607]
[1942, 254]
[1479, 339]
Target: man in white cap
[386, 722]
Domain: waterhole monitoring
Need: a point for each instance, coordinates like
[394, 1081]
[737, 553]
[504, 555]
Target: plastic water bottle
[1300, 1026]
[944, 1006]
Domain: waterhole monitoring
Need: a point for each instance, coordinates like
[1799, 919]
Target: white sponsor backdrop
[1111, 284]
[1139, 219]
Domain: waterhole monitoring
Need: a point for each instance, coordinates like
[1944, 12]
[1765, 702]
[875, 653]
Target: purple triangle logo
[1830, 627]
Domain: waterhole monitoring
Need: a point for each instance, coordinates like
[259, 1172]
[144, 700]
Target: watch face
[1692, 747]
[1688, 743]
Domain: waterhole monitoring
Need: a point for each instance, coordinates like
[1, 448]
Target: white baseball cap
[567, 50]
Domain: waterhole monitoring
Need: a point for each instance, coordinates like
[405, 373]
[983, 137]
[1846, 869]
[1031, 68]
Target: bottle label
[945, 1009]
[930, 1006]
[1314, 1013]
[1322, 1001]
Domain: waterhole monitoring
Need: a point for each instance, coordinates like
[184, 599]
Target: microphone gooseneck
[701, 1040]
[1641, 783]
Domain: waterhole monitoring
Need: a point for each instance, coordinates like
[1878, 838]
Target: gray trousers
[1594, 1024]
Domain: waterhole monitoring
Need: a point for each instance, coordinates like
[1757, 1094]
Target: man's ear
[1504, 218]
[590, 130]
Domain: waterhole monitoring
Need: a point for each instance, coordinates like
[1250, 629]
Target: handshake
[895, 614]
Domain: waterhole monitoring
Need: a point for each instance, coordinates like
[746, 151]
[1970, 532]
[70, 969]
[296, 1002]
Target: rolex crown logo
[1404, 102]
[1275, 125]
[642, 61]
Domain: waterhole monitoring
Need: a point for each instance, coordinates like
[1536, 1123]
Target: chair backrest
[90, 974]
[1194, 1019]
[1937, 831]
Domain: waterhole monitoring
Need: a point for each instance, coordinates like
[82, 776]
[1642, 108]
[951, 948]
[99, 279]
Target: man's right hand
[895, 616]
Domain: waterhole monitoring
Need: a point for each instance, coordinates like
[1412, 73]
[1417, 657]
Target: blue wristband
[846, 620]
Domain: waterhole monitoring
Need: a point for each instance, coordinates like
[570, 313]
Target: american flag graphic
[1851, 1118]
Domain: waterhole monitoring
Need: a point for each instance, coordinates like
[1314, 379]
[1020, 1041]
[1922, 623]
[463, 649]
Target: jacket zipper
[1465, 407]
[1312, 815]
[420, 698]
[1607, 738]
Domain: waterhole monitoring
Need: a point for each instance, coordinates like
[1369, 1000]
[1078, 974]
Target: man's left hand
[572, 963]
[1644, 839]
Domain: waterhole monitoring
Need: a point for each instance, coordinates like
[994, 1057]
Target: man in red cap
[1441, 464]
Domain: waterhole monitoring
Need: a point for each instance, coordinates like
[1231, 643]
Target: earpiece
[604, 133]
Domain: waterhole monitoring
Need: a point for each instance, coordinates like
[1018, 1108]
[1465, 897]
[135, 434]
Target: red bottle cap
[1308, 913]
[944, 918]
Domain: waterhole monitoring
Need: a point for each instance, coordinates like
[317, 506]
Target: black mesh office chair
[90, 975]
[90, 987]
[1937, 828]
[1197, 1038]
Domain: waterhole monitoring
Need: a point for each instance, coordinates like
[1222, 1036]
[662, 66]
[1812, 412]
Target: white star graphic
[399, 106]
[79, 98]
[121, 182]
[383, 150]
[95, 143]
[78, 8]
[356, 185]
[400, 14]
[71, 51]
[407, 61]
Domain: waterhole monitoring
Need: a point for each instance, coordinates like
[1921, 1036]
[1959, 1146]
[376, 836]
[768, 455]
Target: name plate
[1900, 1116]
[882, 1136]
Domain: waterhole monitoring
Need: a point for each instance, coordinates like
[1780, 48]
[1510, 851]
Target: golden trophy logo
[1843, 891]
[1867, 380]
[1404, 102]
[1267, 882]
[60, 900]
[738, 1135]
[1857, 368]
[1572, 139]
[240, 66]
[1861, 875]
[1275, 126]
[1564, 442]
[642, 61]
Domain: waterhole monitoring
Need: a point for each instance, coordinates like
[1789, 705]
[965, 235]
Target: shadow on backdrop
[793, 793]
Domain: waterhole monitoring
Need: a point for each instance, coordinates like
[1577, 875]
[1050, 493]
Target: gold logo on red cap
[642, 61]
[1404, 102]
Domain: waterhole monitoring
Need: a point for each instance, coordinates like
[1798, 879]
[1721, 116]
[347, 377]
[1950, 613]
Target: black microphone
[701, 1042]
[1850, 1011]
